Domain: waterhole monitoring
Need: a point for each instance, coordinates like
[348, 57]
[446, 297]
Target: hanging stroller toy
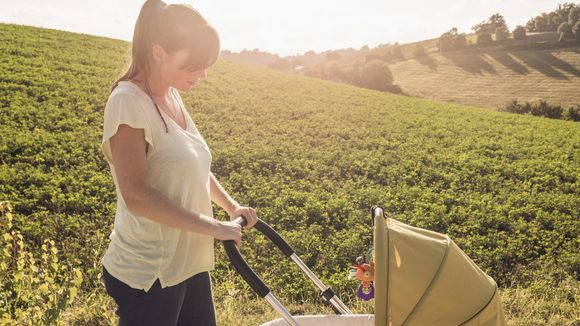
[421, 277]
[365, 272]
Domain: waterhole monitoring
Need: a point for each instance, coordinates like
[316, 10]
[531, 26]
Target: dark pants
[187, 303]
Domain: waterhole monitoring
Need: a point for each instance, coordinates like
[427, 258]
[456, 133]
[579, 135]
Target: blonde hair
[175, 27]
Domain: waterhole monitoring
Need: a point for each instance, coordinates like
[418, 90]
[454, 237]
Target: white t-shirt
[142, 250]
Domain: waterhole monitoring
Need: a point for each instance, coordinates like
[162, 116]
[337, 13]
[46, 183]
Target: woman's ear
[159, 53]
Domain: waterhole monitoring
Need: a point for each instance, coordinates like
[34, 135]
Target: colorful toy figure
[365, 272]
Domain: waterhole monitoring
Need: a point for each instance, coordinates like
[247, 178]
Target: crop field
[312, 156]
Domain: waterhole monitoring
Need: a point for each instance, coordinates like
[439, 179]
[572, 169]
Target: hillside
[481, 77]
[488, 78]
[310, 155]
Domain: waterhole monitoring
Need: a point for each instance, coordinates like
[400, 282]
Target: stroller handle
[258, 285]
[250, 276]
[240, 263]
[242, 266]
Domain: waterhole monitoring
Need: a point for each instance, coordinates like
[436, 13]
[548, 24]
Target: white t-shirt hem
[163, 283]
[188, 275]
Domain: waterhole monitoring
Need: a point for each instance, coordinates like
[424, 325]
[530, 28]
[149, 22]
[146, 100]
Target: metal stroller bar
[338, 306]
[258, 285]
[281, 310]
[329, 296]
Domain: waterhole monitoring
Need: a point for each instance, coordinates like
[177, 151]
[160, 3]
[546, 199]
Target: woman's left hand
[248, 212]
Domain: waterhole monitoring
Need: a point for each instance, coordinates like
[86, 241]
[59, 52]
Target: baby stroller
[421, 277]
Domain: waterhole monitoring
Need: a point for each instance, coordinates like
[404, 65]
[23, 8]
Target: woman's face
[181, 79]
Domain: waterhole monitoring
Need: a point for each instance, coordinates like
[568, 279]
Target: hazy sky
[285, 27]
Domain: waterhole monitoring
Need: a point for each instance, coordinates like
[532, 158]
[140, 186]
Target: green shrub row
[543, 109]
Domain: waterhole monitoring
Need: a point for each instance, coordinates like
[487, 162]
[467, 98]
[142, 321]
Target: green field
[490, 78]
[310, 155]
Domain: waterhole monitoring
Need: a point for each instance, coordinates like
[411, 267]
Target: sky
[285, 27]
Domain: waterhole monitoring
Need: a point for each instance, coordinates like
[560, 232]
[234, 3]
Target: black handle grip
[240, 263]
[244, 270]
[242, 266]
[274, 237]
[270, 234]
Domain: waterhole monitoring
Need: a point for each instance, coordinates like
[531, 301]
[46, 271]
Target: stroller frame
[242, 267]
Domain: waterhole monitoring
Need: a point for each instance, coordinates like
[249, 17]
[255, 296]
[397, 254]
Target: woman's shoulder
[127, 93]
[125, 88]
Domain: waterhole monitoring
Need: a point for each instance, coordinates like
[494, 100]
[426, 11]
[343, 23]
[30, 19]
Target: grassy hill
[310, 155]
[488, 78]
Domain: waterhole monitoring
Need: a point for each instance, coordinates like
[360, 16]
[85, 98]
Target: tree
[333, 72]
[445, 43]
[573, 15]
[498, 21]
[544, 109]
[576, 30]
[573, 113]
[280, 64]
[452, 40]
[352, 75]
[519, 33]
[490, 25]
[531, 25]
[452, 32]
[484, 39]
[540, 24]
[376, 74]
[554, 20]
[310, 54]
[460, 41]
[547, 22]
[514, 107]
[446, 40]
[331, 56]
[565, 30]
[501, 34]
[296, 62]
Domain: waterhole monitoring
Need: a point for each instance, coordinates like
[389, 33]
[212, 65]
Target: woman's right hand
[229, 231]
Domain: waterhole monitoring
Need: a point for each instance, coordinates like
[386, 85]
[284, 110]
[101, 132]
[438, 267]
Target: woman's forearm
[150, 203]
[221, 197]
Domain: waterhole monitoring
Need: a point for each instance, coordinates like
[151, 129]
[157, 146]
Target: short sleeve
[123, 108]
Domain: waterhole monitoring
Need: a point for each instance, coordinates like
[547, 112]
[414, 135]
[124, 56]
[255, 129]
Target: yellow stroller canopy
[424, 278]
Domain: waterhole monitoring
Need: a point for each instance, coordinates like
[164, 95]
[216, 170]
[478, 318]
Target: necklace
[157, 107]
[173, 113]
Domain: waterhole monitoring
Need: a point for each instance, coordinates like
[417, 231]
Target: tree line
[564, 20]
[551, 22]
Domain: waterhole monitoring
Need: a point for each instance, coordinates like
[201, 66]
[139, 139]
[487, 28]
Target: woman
[157, 264]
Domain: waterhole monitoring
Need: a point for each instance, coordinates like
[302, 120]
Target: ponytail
[175, 27]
